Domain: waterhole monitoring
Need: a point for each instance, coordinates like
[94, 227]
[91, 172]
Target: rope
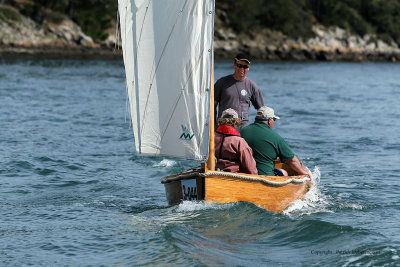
[234, 176]
[264, 181]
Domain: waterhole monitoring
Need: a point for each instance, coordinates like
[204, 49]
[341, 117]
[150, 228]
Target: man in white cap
[232, 152]
[236, 91]
[267, 145]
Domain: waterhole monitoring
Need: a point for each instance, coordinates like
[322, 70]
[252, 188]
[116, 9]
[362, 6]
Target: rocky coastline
[329, 44]
[25, 38]
[21, 37]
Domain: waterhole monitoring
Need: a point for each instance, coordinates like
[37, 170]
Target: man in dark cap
[236, 91]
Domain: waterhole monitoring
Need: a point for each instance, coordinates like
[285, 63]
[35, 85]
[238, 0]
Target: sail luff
[127, 38]
[139, 135]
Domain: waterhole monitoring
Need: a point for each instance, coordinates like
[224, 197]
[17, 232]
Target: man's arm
[298, 166]
[247, 162]
[257, 98]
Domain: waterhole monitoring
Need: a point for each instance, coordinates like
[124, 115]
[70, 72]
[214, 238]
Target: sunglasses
[242, 66]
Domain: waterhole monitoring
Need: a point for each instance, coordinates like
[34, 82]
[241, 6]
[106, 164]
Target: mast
[211, 155]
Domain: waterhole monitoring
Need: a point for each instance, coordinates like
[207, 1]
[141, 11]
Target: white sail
[167, 50]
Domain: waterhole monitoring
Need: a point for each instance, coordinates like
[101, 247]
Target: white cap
[265, 113]
[229, 113]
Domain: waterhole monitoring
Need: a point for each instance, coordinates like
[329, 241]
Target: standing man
[267, 145]
[236, 91]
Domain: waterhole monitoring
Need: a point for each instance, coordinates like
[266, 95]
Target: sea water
[73, 191]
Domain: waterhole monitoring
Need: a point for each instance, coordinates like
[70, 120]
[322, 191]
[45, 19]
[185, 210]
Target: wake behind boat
[168, 58]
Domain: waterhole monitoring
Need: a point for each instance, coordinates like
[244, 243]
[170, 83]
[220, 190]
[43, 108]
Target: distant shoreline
[221, 55]
[60, 53]
[23, 37]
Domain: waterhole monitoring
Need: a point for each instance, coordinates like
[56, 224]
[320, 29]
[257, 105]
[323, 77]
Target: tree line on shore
[296, 17]
[291, 17]
[93, 16]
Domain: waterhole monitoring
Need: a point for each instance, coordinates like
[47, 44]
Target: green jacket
[267, 146]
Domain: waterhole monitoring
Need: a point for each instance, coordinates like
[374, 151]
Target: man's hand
[298, 167]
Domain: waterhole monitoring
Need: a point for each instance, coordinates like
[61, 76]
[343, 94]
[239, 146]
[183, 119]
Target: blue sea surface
[73, 191]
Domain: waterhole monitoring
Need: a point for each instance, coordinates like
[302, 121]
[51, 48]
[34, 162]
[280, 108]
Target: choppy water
[74, 193]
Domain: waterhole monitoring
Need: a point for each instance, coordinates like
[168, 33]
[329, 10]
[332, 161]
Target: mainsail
[168, 50]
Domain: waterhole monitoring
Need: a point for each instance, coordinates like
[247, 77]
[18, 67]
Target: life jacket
[226, 130]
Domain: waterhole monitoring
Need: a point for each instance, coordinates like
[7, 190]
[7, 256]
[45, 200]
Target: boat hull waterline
[273, 193]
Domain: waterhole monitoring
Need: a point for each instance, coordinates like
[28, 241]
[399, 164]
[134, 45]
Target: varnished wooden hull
[220, 187]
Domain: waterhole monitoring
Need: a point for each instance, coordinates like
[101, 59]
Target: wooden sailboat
[273, 193]
[168, 58]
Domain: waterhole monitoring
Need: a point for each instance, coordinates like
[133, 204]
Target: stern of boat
[188, 185]
[273, 193]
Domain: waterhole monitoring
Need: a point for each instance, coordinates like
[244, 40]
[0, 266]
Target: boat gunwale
[276, 181]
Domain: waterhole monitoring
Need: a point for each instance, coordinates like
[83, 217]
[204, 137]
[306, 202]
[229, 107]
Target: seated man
[232, 152]
[267, 145]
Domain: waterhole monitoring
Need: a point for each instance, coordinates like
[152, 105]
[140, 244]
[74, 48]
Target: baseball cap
[243, 57]
[265, 113]
[229, 113]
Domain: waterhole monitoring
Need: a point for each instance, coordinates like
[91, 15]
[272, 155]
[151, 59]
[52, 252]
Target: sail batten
[167, 48]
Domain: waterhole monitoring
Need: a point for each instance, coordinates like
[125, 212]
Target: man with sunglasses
[236, 91]
[267, 145]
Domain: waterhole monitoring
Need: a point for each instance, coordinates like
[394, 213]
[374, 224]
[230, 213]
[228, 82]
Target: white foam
[313, 201]
[165, 163]
[187, 206]
[345, 185]
[352, 206]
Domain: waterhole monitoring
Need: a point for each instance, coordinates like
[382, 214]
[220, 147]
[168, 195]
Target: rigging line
[181, 93]
[116, 32]
[208, 85]
[124, 56]
[122, 41]
[144, 19]
[138, 42]
[179, 97]
[193, 70]
[132, 83]
[127, 107]
[159, 61]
